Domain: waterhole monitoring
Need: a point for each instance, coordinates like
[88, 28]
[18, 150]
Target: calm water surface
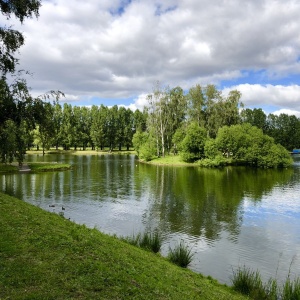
[229, 217]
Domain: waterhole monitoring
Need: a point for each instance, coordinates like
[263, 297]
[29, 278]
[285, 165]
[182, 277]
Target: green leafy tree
[44, 133]
[196, 105]
[139, 120]
[138, 140]
[192, 146]
[112, 127]
[129, 128]
[12, 40]
[178, 137]
[57, 124]
[8, 141]
[285, 130]
[176, 109]
[157, 111]
[18, 109]
[67, 130]
[166, 111]
[99, 126]
[248, 144]
[86, 123]
[255, 117]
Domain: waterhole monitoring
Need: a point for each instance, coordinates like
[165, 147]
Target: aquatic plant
[148, 240]
[181, 255]
[249, 283]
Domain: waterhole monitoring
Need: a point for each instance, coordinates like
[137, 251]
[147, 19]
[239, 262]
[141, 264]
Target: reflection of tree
[205, 202]
[199, 202]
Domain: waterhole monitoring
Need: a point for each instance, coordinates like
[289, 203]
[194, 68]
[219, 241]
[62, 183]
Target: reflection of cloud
[271, 230]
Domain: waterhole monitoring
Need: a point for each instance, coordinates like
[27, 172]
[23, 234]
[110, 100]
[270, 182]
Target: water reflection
[205, 202]
[229, 216]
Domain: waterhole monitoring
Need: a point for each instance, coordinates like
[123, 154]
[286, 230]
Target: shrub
[181, 255]
[147, 152]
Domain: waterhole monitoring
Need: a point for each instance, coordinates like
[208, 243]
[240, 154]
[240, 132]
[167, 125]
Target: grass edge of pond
[44, 167]
[45, 255]
[35, 167]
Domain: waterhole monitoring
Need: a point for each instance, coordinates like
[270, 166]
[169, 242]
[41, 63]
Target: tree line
[76, 127]
[204, 125]
[192, 124]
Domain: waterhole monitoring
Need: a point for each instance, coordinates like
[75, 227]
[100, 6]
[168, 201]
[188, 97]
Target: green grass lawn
[45, 256]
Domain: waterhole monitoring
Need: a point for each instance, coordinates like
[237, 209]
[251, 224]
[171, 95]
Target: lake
[229, 217]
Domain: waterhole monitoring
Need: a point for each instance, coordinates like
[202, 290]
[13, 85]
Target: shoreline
[48, 256]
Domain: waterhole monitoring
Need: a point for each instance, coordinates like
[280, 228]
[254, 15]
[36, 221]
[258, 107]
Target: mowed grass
[44, 256]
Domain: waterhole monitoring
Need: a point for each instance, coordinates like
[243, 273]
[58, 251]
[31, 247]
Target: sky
[112, 52]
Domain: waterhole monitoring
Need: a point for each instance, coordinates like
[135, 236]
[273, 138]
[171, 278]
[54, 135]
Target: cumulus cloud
[118, 48]
[286, 98]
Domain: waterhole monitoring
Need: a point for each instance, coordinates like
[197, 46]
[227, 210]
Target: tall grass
[181, 255]
[291, 290]
[249, 283]
[151, 241]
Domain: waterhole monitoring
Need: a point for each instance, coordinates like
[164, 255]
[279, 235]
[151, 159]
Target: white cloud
[118, 49]
[266, 95]
[287, 112]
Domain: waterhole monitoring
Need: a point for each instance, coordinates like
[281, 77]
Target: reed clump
[151, 241]
[249, 282]
[181, 255]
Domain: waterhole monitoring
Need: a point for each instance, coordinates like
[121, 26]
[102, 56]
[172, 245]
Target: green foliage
[139, 138]
[177, 139]
[250, 283]
[8, 141]
[144, 145]
[147, 151]
[181, 255]
[291, 290]
[211, 150]
[4, 168]
[218, 161]
[16, 104]
[248, 143]
[192, 146]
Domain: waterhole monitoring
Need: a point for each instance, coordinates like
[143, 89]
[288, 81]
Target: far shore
[79, 151]
[171, 160]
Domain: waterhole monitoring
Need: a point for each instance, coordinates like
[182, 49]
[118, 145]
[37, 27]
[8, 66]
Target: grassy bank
[44, 256]
[88, 151]
[172, 160]
[44, 167]
[34, 167]
[8, 168]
